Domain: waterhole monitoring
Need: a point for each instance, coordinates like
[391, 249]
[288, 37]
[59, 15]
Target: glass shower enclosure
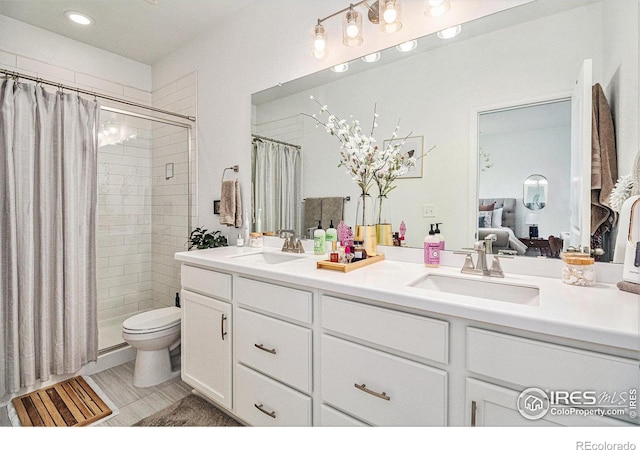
[144, 215]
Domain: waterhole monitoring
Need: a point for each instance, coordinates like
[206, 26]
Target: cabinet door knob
[268, 413]
[268, 350]
[363, 388]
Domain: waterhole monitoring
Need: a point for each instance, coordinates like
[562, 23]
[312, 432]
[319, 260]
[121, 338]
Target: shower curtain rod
[276, 141]
[17, 76]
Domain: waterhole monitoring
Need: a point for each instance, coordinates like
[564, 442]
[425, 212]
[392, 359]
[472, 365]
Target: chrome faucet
[481, 267]
[290, 245]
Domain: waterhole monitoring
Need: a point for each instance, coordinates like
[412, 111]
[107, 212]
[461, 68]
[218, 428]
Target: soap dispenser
[319, 237]
[331, 236]
[440, 235]
[432, 249]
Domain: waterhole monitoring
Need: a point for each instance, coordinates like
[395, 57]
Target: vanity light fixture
[78, 17]
[373, 57]
[340, 68]
[449, 33]
[407, 46]
[437, 8]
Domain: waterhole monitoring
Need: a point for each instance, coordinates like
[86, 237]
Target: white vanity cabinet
[502, 366]
[206, 331]
[366, 370]
[273, 354]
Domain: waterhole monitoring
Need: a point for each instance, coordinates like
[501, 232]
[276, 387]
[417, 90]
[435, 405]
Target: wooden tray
[326, 264]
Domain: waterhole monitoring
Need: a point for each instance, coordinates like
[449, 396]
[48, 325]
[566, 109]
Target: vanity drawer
[530, 363]
[330, 417]
[261, 401]
[274, 347]
[407, 333]
[207, 282]
[286, 302]
[380, 388]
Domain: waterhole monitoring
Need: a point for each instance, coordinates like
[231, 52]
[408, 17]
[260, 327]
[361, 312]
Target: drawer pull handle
[261, 408]
[268, 350]
[363, 388]
[474, 409]
[222, 332]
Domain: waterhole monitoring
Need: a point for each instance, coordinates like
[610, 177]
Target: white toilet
[154, 334]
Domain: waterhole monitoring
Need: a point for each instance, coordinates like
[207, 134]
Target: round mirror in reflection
[534, 195]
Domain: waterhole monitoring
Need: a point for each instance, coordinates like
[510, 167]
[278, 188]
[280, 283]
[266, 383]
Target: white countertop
[600, 314]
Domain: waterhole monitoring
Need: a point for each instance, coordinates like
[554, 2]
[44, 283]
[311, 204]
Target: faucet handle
[468, 260]
[496, 267]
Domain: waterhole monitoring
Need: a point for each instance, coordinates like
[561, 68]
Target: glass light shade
[319, 42]
[390, 15]
[340, 67]
[407, 46]
[373, 57]
[449, 33]
[437, 8]
[352, 28]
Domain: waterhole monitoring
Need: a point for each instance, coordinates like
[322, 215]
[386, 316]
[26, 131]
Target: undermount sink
[482, 288]
[268, 257]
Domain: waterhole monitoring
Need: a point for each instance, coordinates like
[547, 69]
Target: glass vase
[365, 229]
[384, 229]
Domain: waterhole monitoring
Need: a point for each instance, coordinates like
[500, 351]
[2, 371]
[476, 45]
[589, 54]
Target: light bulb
[390, 14]
[436, 8]
[352, 29]
[319, 42]
[78, 18]
[340, 67]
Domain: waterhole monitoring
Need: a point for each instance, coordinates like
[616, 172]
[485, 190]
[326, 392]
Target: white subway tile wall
[169, 197]
[287, 129]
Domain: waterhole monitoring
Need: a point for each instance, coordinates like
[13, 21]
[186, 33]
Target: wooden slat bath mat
[70, 403]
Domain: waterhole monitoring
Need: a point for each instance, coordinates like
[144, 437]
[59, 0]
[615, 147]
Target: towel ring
[234, 168]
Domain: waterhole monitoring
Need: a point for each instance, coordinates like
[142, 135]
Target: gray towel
[230, 204]
[312, 213]
[332, 210]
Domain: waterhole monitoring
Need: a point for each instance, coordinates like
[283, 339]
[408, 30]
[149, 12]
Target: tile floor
[133, 403]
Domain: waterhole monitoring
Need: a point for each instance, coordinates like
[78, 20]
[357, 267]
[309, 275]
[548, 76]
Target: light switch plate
[428, 210]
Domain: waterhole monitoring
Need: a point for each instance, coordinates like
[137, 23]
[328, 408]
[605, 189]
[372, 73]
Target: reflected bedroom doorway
[515, 143]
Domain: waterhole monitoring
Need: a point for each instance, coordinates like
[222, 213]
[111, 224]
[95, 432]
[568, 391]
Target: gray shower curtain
[277, 193]
[48, 193]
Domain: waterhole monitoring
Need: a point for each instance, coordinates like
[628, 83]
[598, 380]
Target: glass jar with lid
[255, 240]
[578, 270]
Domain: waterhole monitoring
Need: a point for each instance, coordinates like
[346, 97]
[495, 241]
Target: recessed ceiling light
[373, 57]
[449, 33]
[407, 46]
[341, 67]
[78, 17]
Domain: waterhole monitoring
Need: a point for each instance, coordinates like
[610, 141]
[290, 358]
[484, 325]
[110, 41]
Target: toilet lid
[154, 320]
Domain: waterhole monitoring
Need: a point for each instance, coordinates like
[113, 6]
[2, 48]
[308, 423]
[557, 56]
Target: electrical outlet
[428, 210]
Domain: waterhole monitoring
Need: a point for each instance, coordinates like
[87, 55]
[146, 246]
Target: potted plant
[201, 238]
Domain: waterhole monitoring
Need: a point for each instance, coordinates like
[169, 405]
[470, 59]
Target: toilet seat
[153, 321]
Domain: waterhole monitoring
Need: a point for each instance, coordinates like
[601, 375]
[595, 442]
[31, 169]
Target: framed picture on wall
[414, 147]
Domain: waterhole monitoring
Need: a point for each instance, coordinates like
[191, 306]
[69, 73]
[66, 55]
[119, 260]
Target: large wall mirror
[443, 92]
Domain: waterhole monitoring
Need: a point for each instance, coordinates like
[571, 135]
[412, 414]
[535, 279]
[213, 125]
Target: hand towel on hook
[230, 203]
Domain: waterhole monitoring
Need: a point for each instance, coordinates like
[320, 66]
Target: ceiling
[142, 30]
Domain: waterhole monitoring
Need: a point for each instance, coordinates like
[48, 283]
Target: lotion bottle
[440, 236]
[331, 236]
[319, 237]
[432, 249]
